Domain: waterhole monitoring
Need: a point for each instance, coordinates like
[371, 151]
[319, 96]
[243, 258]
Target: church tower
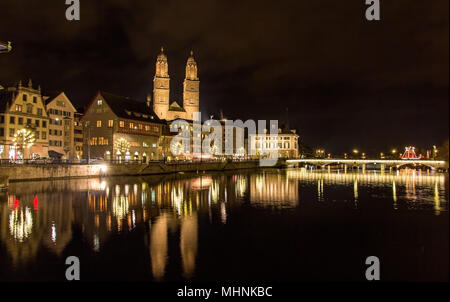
[161, 86]
[191, 88]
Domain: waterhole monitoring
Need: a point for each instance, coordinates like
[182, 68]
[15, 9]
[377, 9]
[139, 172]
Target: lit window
[131, 125]
[110, 123]
[99, 124]
[19, 107]
[99, 102]
[93, 141]
[121, 124]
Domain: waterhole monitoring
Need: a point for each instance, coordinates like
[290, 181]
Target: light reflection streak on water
[21, 223]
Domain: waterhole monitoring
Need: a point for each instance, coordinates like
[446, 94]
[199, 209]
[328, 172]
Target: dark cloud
[347, 82]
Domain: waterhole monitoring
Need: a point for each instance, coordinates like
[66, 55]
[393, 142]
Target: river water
[264, 225]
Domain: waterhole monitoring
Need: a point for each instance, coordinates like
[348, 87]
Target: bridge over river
[381, 163]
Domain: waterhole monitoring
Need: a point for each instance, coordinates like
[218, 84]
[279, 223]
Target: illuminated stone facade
[119, 128]
[61, 126]
[22, 107]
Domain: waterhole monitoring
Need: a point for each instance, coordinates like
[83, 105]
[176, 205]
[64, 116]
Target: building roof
[127, 108]
[176, 107]
[48, 98]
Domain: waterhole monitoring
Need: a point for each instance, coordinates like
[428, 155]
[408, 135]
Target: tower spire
[161, 86]
[191, 87]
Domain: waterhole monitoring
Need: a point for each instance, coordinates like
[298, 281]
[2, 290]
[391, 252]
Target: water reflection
[20, 223]
[273, 190]
[416, 187]
[168, 209]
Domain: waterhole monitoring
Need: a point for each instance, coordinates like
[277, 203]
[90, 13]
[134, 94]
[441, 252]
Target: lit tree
[122, 145]
[23, 140]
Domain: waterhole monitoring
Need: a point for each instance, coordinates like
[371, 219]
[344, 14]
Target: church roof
[176, 107]
[191, 58]
[161, 56]
[127, 108]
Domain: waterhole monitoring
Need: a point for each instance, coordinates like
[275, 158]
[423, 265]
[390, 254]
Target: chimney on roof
[149, 100]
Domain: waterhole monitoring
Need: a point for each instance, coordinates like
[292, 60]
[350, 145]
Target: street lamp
[435, 151]
[5, 47]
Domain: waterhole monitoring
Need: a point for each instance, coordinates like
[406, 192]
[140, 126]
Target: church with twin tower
[161, 91]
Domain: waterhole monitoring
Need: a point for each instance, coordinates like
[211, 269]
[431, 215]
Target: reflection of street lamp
[5, 47]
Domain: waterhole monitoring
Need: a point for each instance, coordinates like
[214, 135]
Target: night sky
[347, 82]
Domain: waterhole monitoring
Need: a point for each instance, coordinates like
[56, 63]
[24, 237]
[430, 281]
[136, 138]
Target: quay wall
[65, 171]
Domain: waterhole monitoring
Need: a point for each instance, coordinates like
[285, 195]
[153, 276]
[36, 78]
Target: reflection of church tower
[188, 243]
[161, 86]
[191, 88]
[158, 246]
